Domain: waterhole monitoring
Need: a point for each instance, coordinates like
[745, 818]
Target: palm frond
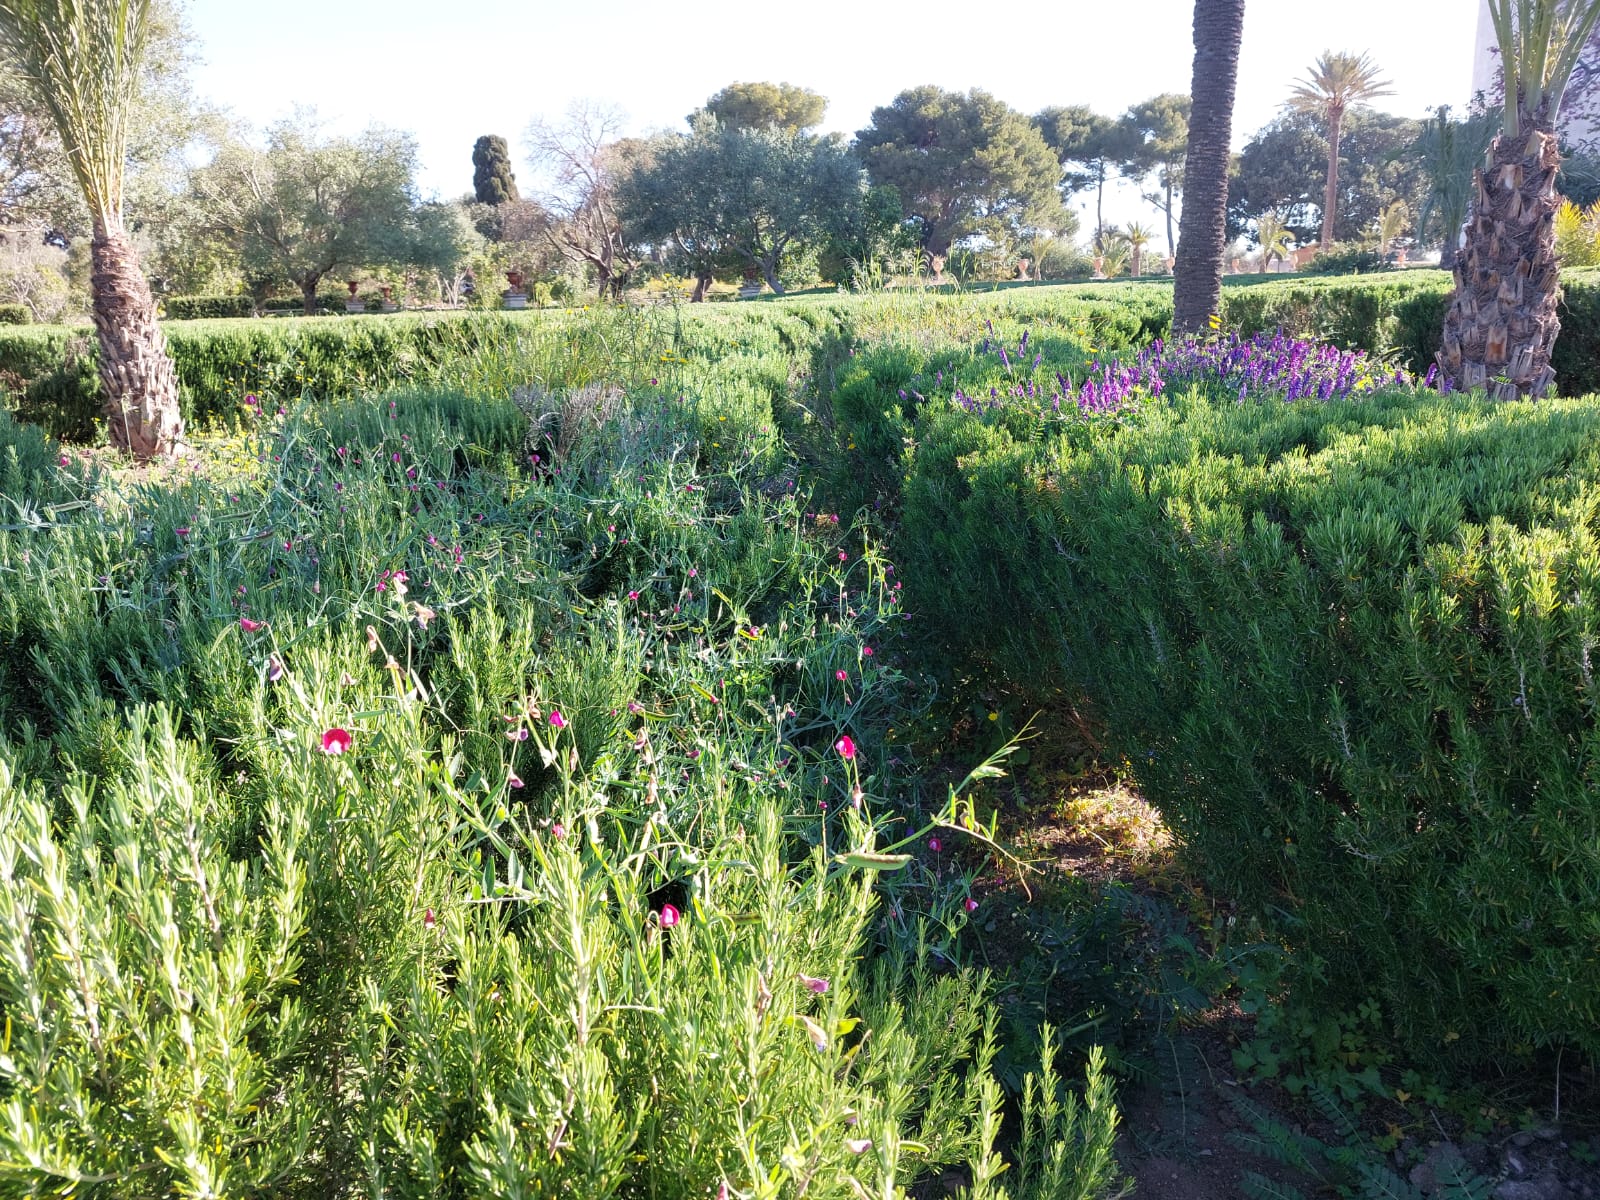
[1540, 42]
[81, 59]
[1338, 81]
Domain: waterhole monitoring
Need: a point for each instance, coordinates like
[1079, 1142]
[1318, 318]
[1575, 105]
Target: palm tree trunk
[1099, 205]
[1502, 322]
[1172, 244]
[1330, 191]
[136, 372]
[1203, 228]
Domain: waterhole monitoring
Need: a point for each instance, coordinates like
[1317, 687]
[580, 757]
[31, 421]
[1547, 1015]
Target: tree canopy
[306, 207]
[963, 164]
[1157, 135]
[766, 107]
[1088, 146]
[1284, 167]
[722, 196]
[586, 158]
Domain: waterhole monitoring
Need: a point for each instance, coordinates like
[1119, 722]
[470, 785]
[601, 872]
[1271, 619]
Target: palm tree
[1449, 151]
[1273, 236]
[1203, 228]
[1393, 221]
[1114, 250]
[1502, 322]
[1335, 84]
[81, 59]
[1138, 237]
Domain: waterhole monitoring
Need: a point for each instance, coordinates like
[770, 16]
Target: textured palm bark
[1203, 228]
[1502, 322]
[136, 372]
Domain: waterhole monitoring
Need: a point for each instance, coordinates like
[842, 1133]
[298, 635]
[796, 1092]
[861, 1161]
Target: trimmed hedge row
[54, 382]
[49, 370]
[203, 308]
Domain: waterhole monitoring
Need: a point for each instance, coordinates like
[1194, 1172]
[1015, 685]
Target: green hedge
[49, 370]
[199, 308]
[221, 362]
[15, 314]
[1346, 650]
[1401, 313]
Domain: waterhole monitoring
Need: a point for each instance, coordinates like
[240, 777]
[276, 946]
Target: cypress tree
[492, 181]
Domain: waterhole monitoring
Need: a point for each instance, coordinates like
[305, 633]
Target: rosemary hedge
[1345, 647]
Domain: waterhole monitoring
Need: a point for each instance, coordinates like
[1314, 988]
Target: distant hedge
[15, 314]
[50, 374]
[200, 308]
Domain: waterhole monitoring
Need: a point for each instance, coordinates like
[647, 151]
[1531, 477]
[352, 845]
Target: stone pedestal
[516, 299]
[355, 306]
[390, 306]
[749, 291]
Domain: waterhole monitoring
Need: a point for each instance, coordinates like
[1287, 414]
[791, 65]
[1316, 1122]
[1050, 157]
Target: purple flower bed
[1265, 367]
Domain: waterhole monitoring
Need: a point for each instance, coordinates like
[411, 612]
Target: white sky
[450, 72]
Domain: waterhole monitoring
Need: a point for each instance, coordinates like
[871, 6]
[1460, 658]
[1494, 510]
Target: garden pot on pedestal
[515, 297]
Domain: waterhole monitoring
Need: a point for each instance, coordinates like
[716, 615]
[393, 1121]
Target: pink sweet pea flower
[274, 669]
[669, 916]
[249, 626]
[846, 747]
[819, 986]
[935, 845]
[971, 905]
[336, 741]
[556, 719]
[840, 676]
